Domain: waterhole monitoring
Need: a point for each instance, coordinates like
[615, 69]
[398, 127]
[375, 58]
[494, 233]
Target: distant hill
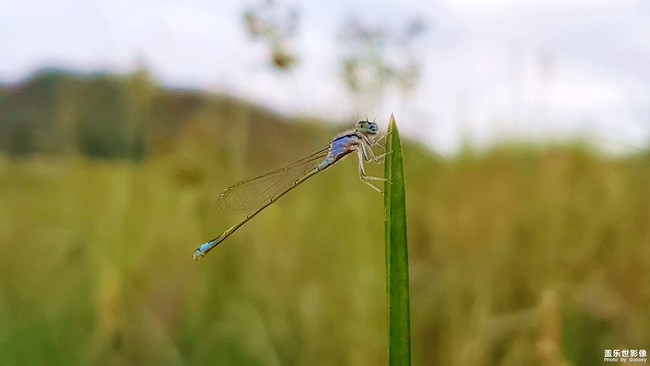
[102, 115]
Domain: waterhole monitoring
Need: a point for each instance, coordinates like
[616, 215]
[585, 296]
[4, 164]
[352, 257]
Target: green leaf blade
[397, 272]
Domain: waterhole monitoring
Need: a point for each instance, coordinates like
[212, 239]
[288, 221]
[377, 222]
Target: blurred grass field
[520, 255]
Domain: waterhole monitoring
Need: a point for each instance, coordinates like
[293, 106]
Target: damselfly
[258, 193]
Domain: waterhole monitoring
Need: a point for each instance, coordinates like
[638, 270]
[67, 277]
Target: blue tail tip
[201, 251]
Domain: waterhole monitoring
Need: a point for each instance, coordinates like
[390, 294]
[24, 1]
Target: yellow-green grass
[518, 255]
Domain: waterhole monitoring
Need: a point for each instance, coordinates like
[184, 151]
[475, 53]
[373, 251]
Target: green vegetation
[519, 255]
[397, 263]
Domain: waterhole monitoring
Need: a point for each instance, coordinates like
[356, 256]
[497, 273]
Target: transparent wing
[251, 193]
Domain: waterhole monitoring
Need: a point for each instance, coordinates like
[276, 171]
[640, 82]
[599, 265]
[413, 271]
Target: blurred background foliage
[519, 254]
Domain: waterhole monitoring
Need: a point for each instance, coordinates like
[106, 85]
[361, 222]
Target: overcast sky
[490, 69]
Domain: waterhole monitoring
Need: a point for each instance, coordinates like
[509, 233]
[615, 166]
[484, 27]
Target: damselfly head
[367, 128]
